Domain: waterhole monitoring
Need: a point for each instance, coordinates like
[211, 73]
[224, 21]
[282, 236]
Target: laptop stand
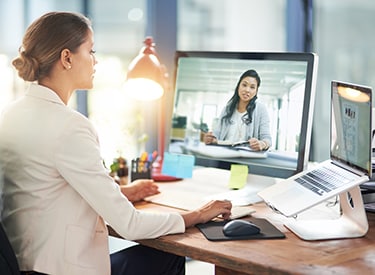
[352, 222]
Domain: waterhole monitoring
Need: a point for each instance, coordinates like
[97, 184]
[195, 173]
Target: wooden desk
[291, 255]
[281, 256]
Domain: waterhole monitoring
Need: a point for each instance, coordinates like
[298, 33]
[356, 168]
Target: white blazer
[57, 193]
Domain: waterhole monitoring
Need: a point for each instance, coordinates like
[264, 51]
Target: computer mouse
[236, 228]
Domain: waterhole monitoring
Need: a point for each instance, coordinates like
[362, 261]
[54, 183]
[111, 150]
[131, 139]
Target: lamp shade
[353, 94]
[146, 75]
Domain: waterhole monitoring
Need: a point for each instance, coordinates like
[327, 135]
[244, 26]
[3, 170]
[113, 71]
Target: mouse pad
[213, 231]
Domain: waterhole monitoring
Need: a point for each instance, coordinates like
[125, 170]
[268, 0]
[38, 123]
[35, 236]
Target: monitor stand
[352, 222]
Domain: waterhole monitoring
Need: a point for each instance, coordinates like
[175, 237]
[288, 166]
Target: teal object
[178, 165]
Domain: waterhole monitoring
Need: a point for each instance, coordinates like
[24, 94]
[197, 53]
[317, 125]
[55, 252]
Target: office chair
[8, 260]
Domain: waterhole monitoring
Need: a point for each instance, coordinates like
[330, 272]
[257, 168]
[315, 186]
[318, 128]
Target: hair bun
[26, 66]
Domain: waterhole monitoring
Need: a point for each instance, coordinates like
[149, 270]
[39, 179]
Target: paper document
[225, 152]
[230, 144]
[208, 184]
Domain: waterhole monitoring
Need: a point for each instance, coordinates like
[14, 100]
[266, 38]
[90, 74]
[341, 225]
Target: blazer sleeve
[221, 129]
[263, 124]
[78, 159]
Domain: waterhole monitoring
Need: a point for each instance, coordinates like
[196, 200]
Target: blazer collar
[44, 93]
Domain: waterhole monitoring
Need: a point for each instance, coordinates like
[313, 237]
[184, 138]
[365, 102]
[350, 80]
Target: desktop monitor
[205, 81]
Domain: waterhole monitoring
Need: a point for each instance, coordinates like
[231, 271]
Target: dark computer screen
[205, 81]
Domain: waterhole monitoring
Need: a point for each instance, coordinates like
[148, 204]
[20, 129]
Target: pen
[143, 157]
[154, 155]
[211, 136]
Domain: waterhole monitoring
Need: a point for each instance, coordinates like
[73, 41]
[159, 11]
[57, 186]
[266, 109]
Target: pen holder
[140, 169]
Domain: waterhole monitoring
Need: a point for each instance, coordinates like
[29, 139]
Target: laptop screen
[351, 125]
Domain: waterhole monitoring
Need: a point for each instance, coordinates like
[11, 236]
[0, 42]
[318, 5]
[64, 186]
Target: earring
[69, 67]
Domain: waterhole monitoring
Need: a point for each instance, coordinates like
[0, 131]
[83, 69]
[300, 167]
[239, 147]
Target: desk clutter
[168, 167]
[152, 166]
[119, 170]
[178, 165]
[140, 169]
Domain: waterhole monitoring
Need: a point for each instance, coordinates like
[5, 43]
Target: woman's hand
[207, 212]
[258, 145]
[140, 189]
[209, 138]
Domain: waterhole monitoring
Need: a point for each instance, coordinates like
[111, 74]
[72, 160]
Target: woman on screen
[243, 118]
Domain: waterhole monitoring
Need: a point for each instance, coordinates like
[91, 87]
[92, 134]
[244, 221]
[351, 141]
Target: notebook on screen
[350, 155]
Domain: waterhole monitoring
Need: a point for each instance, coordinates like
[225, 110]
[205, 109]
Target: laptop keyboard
[325, 179]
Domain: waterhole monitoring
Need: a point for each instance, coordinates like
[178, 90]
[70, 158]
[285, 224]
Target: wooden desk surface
[281, 256]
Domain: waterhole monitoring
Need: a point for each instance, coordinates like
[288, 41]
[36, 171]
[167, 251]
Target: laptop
[350, 155]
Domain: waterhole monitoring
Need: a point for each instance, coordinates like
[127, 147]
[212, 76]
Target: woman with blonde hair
[57, 194]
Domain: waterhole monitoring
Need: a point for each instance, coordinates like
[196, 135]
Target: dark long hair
[232, 103]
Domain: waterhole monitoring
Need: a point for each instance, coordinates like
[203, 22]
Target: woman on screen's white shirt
[57, 193]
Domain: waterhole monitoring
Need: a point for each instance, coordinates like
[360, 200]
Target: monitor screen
[206, 81]
[350, 105]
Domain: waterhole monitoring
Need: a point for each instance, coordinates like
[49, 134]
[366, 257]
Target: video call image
[205, 84]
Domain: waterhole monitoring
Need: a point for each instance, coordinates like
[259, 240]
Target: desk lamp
[146, 76]
[146, 80]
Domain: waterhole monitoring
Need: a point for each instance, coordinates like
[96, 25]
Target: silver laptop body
[350, 155]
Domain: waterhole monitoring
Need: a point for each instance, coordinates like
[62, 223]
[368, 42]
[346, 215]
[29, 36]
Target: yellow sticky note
[238, 176]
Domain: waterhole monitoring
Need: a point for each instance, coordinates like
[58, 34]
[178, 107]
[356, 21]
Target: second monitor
[205, 82]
